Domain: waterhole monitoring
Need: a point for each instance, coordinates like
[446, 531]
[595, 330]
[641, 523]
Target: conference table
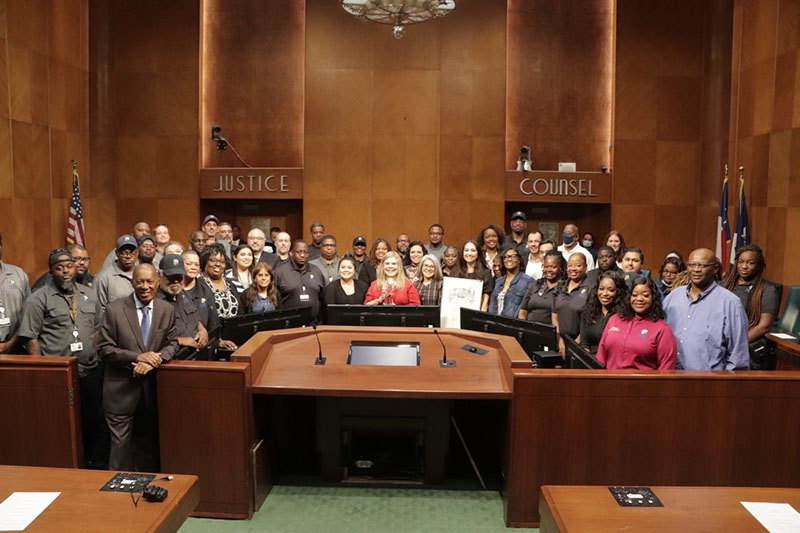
[81, 506]
[712, 509]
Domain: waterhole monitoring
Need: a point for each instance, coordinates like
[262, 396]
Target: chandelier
[398, 13]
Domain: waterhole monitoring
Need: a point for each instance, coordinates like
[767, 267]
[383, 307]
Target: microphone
[443, 362]
[319, 361]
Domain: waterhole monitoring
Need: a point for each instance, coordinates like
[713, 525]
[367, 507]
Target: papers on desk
[775, 517]
[21, 508]
[785, 336]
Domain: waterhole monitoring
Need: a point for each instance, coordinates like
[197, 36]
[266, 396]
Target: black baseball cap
[172, 265]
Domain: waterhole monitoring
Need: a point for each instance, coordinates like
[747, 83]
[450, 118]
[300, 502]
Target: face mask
[568, 238]
[587, 243]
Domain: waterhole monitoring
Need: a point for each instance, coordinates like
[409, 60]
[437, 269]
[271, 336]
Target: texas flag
[742, 235]
[723, 229]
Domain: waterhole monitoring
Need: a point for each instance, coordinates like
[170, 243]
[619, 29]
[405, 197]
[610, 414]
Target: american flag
[75, 231]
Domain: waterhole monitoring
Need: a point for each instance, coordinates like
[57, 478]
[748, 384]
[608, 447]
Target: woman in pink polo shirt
[638, 337]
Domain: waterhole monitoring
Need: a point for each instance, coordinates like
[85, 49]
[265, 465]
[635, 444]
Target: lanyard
[73, 306]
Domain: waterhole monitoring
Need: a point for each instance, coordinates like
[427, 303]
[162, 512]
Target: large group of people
[154, 295]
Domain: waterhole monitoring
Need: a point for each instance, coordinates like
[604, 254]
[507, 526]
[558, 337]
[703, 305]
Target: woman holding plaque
[471, 266]
[391, 286]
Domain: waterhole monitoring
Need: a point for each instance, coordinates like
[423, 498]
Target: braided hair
[754, 298]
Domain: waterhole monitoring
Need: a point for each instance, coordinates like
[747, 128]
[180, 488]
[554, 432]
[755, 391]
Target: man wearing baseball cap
[148, 252]
[61, 319]
[517, 238]
[115, 281]
[188, 318]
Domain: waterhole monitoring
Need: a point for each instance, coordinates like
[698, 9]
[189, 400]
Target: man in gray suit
[137, 335]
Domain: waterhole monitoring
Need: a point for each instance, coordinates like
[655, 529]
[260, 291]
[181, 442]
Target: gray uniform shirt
[437, 251]
[47, 319]
[112, 284]
[330, 271]
[14, 290]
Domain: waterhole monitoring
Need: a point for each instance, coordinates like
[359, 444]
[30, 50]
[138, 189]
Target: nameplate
[251, 183]
[563, 187]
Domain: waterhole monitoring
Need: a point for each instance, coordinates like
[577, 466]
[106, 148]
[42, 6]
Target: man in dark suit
[137, 335]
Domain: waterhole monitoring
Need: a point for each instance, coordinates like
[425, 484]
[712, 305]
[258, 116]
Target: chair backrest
[790, 317]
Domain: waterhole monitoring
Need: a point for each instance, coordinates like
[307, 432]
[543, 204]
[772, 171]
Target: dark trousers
[134, 440]
[96, 437]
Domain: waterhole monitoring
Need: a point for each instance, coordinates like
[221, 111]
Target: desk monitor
[577, 357]
[239, 329]
[383, 315]
[208, 352]
[532, 336]
[383, 353]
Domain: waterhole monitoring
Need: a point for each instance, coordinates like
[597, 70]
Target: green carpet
[291, 508]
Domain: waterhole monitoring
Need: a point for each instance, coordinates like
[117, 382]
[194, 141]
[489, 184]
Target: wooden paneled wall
[560, 74]
[252, 81]
[156, 70]
[661, 80]
[43, 125]
[403, 133]
[766, 118]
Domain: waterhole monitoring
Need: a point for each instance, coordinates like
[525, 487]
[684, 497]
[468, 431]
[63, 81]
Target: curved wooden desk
[564, 427]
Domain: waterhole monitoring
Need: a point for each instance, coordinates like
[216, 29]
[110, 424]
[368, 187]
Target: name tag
[305, 297]
[5, 321]
[76, 347]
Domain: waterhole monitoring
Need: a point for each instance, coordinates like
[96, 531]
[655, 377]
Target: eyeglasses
[216, 261]
[83, 259]
[698, 266]
[509, 257]
[129, 253]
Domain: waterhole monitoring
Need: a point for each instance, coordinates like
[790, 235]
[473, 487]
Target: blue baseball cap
[126, 240]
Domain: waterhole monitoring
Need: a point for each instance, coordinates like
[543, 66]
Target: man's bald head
[572, 228]
[703, 267]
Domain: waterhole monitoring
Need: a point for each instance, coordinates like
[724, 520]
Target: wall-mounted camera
[222, 142]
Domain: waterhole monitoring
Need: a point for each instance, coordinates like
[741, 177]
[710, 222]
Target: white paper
[458, 293]
[784, 336]
[775, 517]
[21, 508]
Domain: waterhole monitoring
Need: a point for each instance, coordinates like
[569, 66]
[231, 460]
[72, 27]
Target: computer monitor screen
[239, 329]
[578, 357]
[206, 353]
[383, 315]
[532, 336]
[383, 353]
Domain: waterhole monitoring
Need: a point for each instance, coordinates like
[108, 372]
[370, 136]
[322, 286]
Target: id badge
[304, 297]
[5, 321]
[76, 347]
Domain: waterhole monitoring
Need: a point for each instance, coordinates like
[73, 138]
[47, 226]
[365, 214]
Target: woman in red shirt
[638, 337]
[391, 286]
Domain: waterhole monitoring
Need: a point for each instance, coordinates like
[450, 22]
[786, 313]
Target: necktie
[145, 324]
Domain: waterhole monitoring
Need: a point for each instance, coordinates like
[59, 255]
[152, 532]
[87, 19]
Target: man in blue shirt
[708, 321]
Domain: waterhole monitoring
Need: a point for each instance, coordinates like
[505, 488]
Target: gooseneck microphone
[443, 362]
[319, 361]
